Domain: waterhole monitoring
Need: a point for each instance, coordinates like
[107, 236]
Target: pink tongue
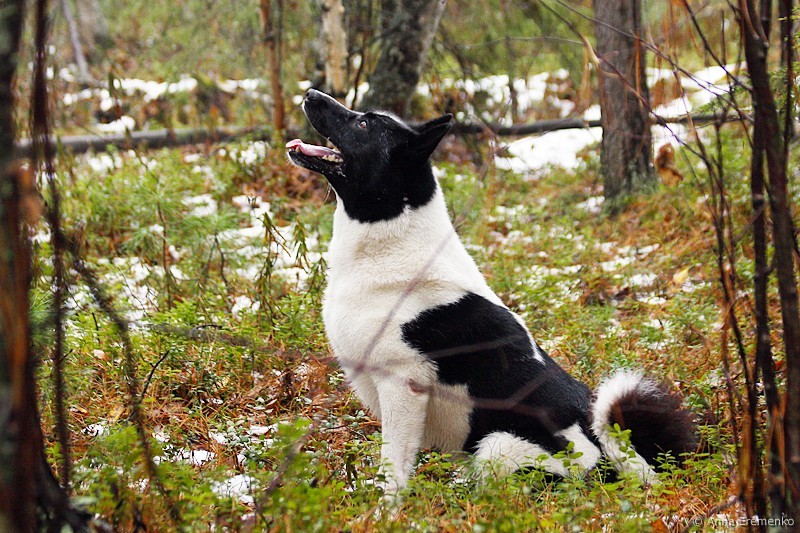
[310, 149]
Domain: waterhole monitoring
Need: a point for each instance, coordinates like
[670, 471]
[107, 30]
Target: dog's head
[380, 166]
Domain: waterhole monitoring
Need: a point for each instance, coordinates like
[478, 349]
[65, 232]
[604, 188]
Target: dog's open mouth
[317, 158]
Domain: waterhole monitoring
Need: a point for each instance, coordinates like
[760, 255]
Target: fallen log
[150, 139]
[544, 126]
[184, 136]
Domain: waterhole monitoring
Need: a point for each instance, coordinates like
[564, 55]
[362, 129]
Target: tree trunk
[30, 497]
[273, 27]
[75, 40]
[333, 38]
[771, 142]
[626, 151]
[93, 26]
[409, 27]
[17, 418]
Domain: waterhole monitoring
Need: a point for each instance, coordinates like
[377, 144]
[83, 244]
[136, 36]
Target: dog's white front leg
[404, 404]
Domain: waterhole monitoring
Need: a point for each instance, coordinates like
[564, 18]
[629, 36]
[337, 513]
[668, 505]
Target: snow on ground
[240, 486]
[561, 148]
[557, 148]
[121, 125]
[102, 163]
[248, 243]
[593, 204]
[254, 152]
[203, 205]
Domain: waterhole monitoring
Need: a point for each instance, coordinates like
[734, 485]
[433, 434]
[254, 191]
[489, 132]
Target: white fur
[502, 453]
[382, 275]
[589, 453]
[609, 393]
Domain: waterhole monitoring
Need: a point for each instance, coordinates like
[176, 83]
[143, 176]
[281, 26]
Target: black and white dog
[430, 348]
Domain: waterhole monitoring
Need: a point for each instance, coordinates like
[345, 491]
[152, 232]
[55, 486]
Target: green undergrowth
[216, 259]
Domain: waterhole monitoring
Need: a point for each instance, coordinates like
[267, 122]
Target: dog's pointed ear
[430, 134]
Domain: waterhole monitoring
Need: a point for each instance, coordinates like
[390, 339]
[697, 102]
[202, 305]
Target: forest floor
[216, 257]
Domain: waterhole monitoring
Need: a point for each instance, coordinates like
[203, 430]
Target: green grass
[228, 337]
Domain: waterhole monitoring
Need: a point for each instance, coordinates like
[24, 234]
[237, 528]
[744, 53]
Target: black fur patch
[658, 423]
[386, 167]
[479, 344]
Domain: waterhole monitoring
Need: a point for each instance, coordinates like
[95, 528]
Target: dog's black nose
[313, 94]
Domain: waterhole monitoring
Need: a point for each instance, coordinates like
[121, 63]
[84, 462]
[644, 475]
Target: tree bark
[75, 40]
[93, 27]
[333, 37]
[272, 40]
[771, 142]
[764, 363]
[30, 497]
[409, 27]
[627, 149]
[17, 418]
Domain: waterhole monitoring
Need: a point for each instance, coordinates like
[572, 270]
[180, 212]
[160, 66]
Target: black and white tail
[657, 422]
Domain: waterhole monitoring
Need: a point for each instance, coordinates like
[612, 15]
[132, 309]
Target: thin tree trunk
[408, 33]
[17, 416]
[272, 40]
[626, 150]
[334, 45]
[75, 40]
[755, 47]
[30, 497]
[765, 366]
[93, 27]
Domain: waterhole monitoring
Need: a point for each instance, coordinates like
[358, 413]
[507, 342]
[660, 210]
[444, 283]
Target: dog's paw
[389, 507]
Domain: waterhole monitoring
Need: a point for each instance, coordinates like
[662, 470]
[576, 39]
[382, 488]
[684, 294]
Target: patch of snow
[152, 89]
[642, 280]
[218, 437]
[690, 286]
[204, 170]
[243, 303]
[197, 457]
[251, 154]
[593, 204]
[247, 85]
[263, 430]
[204, 205]
[95, 430]
[121, 125]
[174, 253]
[139, 297]
[606, 247]
[644, 251]
[239, 486]
[73, 98]
[593, 113]
[42, 236]
[616, 263]
[556, 148]
[651, 299]
[103, 163]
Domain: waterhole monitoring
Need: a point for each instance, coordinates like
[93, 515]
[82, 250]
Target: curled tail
[657, 422]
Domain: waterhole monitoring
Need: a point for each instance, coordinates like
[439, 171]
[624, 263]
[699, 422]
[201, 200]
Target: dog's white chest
[385, 274]
[381, 277]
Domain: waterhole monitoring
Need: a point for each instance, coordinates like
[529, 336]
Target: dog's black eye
[362, 124]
